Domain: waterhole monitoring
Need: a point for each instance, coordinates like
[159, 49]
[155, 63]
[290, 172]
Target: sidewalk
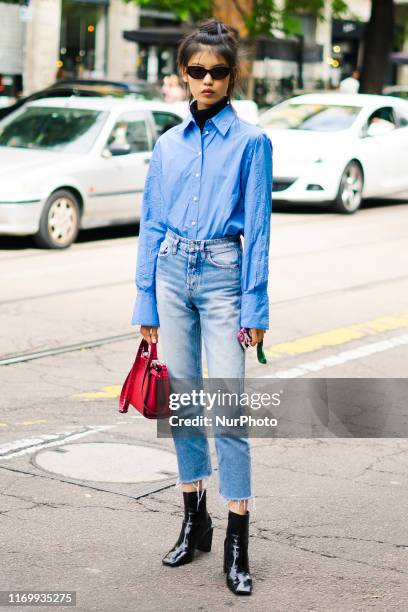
[328, 532]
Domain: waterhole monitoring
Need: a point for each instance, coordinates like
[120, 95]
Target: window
[61, 129]
[133, 131]
[383, 114]
[314, 117]
[164, 121]
[386, 113]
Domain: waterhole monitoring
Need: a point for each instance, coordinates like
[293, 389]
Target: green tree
[261, 16]
[258, 17]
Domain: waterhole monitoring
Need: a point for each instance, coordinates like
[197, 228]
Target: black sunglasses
[218, 73]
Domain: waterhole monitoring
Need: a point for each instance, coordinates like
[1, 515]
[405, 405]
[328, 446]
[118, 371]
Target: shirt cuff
[145, 309]
[255, 310]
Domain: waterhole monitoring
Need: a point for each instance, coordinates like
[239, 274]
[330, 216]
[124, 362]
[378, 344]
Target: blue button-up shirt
[209, 185]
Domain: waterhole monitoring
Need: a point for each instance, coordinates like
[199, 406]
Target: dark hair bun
[215, 28]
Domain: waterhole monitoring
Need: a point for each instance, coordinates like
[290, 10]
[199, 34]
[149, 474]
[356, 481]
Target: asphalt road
[328, 530]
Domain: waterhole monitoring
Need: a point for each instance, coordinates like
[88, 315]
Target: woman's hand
[149, 333]
[256, 335]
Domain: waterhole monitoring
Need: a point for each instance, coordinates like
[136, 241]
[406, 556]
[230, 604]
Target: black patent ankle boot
[236, 563]
[196, 531]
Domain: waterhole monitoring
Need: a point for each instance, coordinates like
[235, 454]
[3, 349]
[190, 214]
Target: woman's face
[217, 88]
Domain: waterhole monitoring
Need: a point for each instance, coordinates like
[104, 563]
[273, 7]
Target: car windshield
[71, 130]
[313, 117]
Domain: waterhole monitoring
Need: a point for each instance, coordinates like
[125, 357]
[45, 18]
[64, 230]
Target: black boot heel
[196, 531]
[206, 541]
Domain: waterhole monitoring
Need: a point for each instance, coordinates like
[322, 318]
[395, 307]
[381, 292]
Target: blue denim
[198, 291]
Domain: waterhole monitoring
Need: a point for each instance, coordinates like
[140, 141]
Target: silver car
[72, 163]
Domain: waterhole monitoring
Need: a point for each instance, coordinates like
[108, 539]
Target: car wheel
[59, 223]
[350, 194]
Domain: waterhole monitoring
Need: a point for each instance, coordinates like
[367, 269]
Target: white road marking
[339, 358]
[17, 448]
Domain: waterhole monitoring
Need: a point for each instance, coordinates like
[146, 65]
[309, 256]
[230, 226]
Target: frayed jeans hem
[204, 478]
[226, 499]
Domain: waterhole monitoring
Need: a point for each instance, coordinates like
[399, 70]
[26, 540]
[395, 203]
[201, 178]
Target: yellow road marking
[336, 337]
[308, 344]
[24, 423]
[32, 422]
[111, 391]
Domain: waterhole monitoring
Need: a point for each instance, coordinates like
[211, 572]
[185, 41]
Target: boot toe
[240, 585]
[177, 557]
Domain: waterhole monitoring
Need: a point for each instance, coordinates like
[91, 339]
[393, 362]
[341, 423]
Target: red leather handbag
[147, 385]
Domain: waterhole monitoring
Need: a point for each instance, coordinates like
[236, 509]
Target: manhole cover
[106, 462]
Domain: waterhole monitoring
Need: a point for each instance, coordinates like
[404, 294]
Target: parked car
[6, 101]
[246, 109]
[335, 148]
[138, 90]
[71, 163]
[401, 91]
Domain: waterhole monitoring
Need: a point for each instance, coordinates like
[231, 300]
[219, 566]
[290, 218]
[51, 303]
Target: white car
[401, 91]
[246, 109]
[338, 148]
[71, 163]
[6, 101]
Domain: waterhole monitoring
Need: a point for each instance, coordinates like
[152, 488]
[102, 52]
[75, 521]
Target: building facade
[49, 39]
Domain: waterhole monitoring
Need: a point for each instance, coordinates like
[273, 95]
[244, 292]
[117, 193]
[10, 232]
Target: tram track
[69, 348]
[130, 281]
[89, 344]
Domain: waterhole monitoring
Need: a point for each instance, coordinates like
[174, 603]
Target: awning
[399, 58]
[155, 36]
[266, 47]
[347, 29]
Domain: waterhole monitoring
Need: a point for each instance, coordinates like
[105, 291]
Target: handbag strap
[123, 402]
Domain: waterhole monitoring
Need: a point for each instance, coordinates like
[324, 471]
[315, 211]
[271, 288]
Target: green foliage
[311, 7]
[291, 24]
[339, 8]
[264, 16]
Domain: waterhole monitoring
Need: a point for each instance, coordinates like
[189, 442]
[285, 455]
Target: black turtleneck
[202, 115]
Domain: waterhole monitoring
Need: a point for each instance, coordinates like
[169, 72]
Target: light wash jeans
[198, 292]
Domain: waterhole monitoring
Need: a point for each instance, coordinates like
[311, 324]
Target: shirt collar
[221, 120]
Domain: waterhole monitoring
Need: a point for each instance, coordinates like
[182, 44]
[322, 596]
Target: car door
[378, 152]
[400, 146]
[164, 121]
[123, 168]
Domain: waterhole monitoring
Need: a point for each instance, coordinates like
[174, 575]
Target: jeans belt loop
[174, 246]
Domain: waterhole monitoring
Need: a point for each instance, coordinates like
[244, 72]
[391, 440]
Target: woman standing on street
[209, 181]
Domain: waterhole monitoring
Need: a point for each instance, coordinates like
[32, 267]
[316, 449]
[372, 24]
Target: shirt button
[199, 153]
[195, 198]
[197, 174]
[193, 223]
[206, 132]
